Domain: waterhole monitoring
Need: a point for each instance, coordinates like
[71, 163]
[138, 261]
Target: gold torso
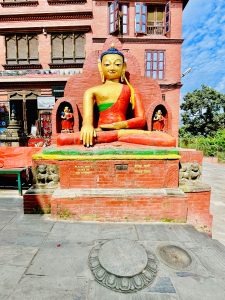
[108, 92]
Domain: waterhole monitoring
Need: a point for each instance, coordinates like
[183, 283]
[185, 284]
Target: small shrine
[113, 156]
[13, 135]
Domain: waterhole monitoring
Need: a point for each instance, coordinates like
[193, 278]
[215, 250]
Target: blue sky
[204, 45]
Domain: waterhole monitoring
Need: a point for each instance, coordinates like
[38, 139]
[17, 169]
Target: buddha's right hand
[87, 135]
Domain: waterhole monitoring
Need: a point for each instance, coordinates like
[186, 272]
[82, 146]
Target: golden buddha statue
[113, 97]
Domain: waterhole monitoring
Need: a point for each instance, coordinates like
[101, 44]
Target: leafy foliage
[203, 111]
[210, 145]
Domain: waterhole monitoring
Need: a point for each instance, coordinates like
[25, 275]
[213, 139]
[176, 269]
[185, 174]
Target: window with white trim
[118, 18]
[155, 64]
[152, 19]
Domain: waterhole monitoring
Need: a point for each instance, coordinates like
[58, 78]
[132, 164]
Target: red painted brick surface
[37, 203]
[143, 208]
[104, 174]
[191, 155]
[199, 209]
[17, 157]
[192, 208]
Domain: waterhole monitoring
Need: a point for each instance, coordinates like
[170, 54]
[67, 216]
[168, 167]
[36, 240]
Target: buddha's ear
[124, 68]
[101, 71]
[122, 78]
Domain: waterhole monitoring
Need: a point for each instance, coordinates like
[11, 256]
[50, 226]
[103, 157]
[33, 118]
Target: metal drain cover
[175, 256]
[122, 265]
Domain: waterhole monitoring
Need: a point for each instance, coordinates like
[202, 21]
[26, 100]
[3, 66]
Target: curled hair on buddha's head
[112, 50]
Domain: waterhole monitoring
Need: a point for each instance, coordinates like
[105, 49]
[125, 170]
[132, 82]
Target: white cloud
[204, 35]
[220, 87]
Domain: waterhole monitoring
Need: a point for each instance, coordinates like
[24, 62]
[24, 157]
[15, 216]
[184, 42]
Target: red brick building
[44, 42]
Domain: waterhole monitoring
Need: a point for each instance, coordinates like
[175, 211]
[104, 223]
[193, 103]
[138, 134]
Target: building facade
[44, 42]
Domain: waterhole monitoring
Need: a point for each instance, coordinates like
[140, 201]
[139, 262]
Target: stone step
[116, 192]
[107, 204]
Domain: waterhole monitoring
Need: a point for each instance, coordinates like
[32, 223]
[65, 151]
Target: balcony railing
[155, 28]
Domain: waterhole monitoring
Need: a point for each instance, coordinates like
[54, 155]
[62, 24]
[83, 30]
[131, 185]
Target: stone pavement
[214, 175]
[45, 259]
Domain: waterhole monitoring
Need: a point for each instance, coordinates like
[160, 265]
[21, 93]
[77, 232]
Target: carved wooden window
[155, 64]
[21, 49]
[68, 48]
[118, 18]
[152, 19]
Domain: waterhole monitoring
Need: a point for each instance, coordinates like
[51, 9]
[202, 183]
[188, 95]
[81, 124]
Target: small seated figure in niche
[67, 120]
[158, 121]
[113, 97]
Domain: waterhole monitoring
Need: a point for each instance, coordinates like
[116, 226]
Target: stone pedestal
[119, 182]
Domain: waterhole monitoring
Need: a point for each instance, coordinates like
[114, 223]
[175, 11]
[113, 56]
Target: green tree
[203, 111]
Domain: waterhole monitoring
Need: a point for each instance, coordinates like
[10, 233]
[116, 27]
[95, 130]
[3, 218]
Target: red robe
[117, 112]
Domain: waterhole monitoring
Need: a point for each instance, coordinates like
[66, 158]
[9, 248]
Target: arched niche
[56, 115]
[60, 109]
[166, 113]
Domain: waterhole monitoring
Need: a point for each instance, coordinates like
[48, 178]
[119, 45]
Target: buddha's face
[112, 66]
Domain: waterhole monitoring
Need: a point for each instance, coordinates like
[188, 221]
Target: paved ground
[214, 175]
[43, 259]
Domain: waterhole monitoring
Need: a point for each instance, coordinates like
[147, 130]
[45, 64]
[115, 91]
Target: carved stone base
[122, 265]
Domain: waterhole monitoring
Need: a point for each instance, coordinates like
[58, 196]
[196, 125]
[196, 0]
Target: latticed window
[68, 48]
[21, 49]
[155, 64]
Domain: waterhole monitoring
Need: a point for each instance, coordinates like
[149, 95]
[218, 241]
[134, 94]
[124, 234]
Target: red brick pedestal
[132, 185]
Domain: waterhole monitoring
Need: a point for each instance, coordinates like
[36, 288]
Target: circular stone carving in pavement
[175, 257]
[122, 265]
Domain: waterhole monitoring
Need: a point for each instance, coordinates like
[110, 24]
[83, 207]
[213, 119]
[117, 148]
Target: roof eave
[185, 3]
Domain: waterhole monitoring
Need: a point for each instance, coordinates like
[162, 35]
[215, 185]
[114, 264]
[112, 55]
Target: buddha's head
[66, 109]
[112, 65]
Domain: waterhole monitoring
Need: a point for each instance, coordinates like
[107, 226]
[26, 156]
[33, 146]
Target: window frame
[139, 18]
[151, 62]
[17, 60]
[62, 60]
[142, 13]
[127, 15]
[155, 25]
[167, 17]
[117, 26]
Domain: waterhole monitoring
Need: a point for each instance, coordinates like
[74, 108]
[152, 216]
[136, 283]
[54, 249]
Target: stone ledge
[104, 192]
[195, 187]
[39, 191]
